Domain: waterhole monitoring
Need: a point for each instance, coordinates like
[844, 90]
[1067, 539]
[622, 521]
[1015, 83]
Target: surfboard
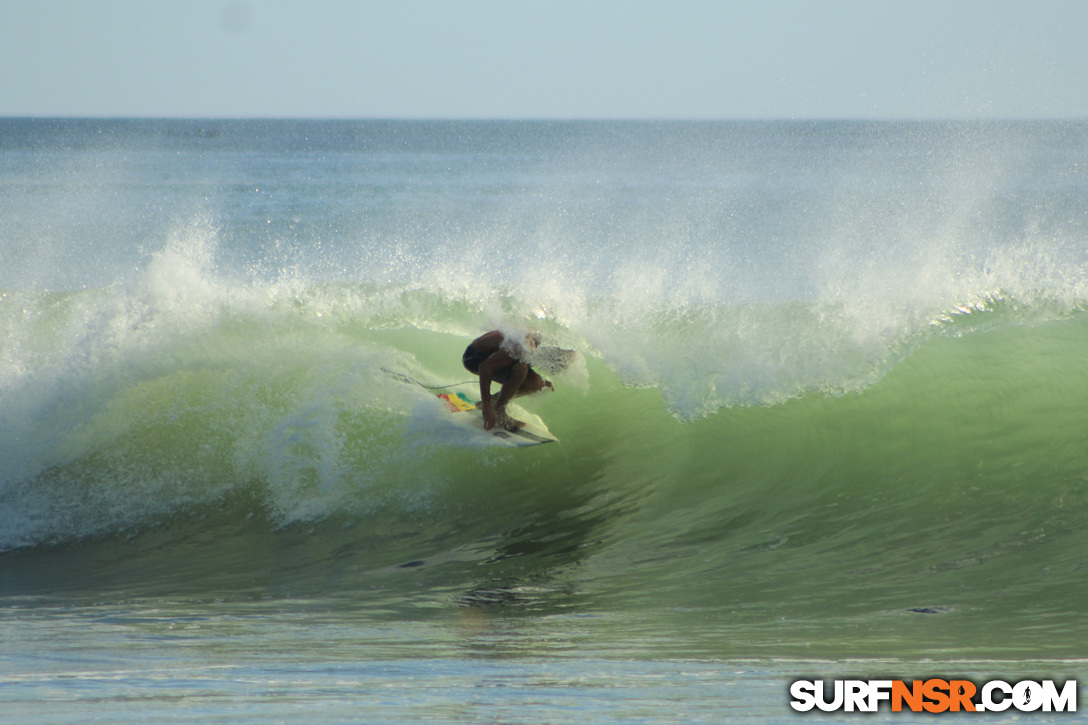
[533, 433]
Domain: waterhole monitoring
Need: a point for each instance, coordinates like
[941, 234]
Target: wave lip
[832, 371]
[123, 410]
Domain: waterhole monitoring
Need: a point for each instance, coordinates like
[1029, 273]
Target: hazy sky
[545, 59]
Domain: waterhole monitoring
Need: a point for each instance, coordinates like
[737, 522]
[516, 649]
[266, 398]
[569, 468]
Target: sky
[549, 59]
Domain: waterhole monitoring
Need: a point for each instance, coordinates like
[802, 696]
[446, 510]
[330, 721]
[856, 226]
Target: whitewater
[827, 417]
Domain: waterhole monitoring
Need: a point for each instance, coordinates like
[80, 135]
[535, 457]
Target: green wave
[264, 448]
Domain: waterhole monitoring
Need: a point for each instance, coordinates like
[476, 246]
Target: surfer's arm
[495, 362]
[485, 399]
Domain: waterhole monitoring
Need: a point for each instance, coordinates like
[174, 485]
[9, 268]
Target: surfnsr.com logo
[933, 695]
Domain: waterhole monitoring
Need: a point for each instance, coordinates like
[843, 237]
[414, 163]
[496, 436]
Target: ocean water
[828, 416]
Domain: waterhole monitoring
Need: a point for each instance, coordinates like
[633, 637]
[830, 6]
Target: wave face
[831, 375]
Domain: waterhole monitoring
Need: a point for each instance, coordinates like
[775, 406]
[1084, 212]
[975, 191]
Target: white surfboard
[464, 411]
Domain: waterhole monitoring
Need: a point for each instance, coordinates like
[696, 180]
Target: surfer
[494, 358]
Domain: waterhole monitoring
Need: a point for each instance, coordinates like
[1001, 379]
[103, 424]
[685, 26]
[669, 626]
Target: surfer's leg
[533, 383]
[517, 380]
[511, 387]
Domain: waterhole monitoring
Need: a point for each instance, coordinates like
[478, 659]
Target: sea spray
[832, 375]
